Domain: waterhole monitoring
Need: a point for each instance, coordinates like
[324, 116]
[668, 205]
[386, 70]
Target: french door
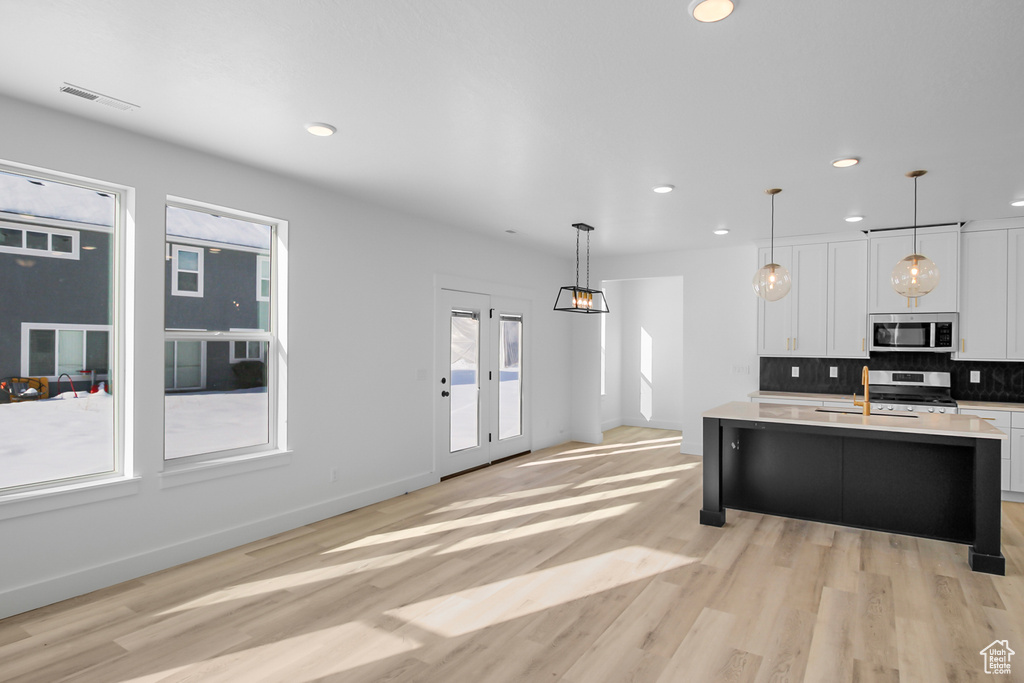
[479, 399]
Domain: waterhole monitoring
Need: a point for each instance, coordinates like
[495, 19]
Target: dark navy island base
[934, 486]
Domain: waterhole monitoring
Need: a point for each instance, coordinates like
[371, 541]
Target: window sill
[183, 474]
[22, 503]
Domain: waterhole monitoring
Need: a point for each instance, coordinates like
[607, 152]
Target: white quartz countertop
[912, 423]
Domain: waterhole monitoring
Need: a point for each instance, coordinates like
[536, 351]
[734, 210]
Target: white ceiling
[534, 114]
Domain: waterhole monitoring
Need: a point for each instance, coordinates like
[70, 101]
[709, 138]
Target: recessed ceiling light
[854, 219]
[662, 189]
[721, 231]
[846, 162]
[710, 11]
[1019, 202]
[511, 232]
[321, 129]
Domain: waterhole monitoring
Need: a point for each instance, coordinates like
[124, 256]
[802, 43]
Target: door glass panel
[42, 352]
[189, 363]
[510, 387]
[37, 240]
[70, 351]
[465, 382]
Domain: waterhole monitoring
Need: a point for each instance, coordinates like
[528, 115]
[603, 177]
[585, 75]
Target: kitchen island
[927, 475]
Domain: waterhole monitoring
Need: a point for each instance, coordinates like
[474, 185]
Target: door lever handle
[444, 394]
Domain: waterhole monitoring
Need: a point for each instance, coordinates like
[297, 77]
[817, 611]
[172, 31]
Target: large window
[60, 389]
[220, 356]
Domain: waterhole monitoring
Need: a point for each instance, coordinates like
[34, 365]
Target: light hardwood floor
[578, 563]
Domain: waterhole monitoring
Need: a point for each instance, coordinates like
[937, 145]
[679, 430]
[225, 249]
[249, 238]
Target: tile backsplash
[1000, 380]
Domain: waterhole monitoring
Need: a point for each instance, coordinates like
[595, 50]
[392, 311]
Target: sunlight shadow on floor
[590, 455]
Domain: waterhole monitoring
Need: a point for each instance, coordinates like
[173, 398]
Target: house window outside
[38, 240]
[222, 397]
[79, 351]
[263, 278]
[62, 284]
[187, 269]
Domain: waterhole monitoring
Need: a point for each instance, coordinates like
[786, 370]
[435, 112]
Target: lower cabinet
[1016, 476]
[1012, 449]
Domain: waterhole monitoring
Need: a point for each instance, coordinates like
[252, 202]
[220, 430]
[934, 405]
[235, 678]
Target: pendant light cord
[915, 214]
[773, 229]
[577, 258]
[588, 259]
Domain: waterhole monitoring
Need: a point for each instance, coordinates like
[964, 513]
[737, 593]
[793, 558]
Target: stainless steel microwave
[913, 332]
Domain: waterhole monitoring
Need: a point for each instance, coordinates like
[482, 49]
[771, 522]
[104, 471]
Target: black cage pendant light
[772, 281]
[915, 275]
[576, 299]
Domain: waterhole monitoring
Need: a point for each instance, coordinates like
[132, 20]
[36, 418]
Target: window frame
[276, 339]
[122, 479]
[176, 269]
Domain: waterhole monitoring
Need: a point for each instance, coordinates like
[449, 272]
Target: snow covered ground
[71, 437]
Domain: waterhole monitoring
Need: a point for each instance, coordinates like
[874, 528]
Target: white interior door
[480, 395]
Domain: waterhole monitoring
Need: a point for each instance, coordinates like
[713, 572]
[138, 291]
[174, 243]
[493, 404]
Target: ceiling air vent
[97, 97]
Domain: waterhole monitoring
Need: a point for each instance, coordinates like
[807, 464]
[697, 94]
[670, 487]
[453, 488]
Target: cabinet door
[810, 299]
[886, 252]
[1017, 460]
[941, 246]
[983, 280]
[847, 299]
[944, 249]
[1015, 295]
[774, 318]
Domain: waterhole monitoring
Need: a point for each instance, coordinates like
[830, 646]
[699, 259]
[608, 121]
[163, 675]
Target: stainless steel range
[920, 392]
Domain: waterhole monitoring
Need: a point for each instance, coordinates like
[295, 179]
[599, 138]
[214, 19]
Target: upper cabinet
[846, 332]
[825, 314]
[795, 324]
[887, 248]
[1015, 294]
[983, 295]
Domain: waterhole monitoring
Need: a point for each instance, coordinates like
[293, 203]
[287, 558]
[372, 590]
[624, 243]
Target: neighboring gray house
[56, 244]
[55, 281]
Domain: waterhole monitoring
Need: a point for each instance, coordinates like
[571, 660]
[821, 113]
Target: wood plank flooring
[578, 563]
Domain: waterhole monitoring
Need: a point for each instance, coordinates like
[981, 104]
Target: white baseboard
[1013, 497]
[611, 424]
[653, 424]
[34, 595]
[594, 437]
[692, 447]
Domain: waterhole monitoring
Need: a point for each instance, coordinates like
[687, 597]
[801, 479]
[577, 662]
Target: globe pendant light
[576, 299]
[772, 282]
[915, 275]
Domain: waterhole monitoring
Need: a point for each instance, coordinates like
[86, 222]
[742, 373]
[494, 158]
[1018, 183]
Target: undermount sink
[861, 412]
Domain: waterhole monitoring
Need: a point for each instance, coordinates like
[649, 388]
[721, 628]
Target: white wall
[652, 306]
[350, 262]
[611, 400]
[719, 324]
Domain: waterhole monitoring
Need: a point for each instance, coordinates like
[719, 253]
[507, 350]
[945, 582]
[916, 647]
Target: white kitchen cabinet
[887, 248]
[983, 295]
[1002, 421]
[1015, 294]
[774, 318]
[795, 324]
[847, 307]
[1017, 460]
